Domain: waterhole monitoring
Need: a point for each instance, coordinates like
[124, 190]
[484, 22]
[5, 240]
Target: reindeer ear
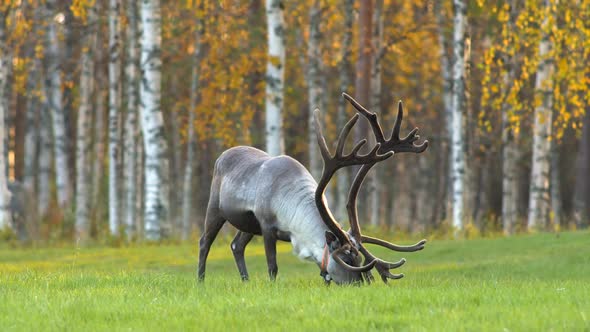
[332, 240]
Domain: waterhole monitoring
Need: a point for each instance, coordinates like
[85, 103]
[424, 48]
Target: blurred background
[113, 112]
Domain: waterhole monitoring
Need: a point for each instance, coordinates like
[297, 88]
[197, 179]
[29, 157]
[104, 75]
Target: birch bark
[343, 184]
[510, 192]
[374, 185]
[114, 110]
[131, 127]
[30, 145]
[45, 148]
[510, 152]
[314, 86]
[363, 66]
[99, 148]
[447, 86]
[152, 122]
[4, 192]
[33, 109]
[457, 139]
[539, 198]
[362, 86]
[55, 103]
[275, 76]
[83, 141]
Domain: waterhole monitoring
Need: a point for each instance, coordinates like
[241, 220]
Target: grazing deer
[276, 197]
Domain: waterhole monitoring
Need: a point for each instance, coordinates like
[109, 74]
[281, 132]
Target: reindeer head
[336, 259]
[342, 260]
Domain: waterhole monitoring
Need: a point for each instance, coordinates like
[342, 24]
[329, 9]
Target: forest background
[113, 112]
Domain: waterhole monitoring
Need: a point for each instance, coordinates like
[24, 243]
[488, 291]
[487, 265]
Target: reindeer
[277, 197]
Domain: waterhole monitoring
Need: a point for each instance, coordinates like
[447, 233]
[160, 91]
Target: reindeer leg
[238, 246]
[270, 247]
[213, 223]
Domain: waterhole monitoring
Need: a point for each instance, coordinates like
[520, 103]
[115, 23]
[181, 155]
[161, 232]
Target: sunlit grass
[537, 282]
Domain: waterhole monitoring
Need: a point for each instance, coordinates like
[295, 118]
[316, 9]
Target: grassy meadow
[525, 283]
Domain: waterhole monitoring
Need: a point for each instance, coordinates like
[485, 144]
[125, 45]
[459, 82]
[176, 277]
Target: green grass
[526, 283]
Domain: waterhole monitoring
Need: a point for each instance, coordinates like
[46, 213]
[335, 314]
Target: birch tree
[539, 202]
[45, 147]
[363, 65]
[31, 136]
[100, 134]
[131, 126]
[83, 179]
[343, 184]
[457, 139]
[4, 59]
[275, 77]
[447, 85]
[362, 84]
[375, 186]
[510, 152]
[192, 139]
[445, 66]
[152, 121]
[55, 103]
[114, 114]
[33, 109]
[314, 86]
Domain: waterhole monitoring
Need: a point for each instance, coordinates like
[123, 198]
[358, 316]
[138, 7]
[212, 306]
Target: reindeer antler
[393, 144]
[339, 160]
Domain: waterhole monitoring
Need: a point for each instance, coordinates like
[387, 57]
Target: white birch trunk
[139, 185]
[471, 186]
[30, 147]
[510, 152]
[539, 202]
[447, 86]
[114, 109]
[55, 103]
[374, 183]
[192, 139]
[457, 139]
[314, 87]
[98, 164]
[83, 179]
[31, 131]
[509, 176]
[4, 192]
[156, 164]
[343, 184]
[445, 66]
[275, 76]
[45, 148]
[99, 141]
[131, 127]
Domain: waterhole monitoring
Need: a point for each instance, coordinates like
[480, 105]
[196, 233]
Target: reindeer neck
[302, 220]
